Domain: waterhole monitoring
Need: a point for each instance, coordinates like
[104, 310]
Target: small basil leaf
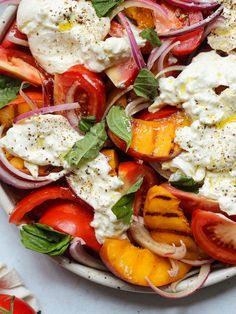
[123, 208]
[9, 88]
[88, 147]
[105, 7]
[120, 124]
[44, 239]
[151, 35]
[86, 123]
[184, 183]
[145, 84]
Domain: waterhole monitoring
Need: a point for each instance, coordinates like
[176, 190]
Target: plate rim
[7, 203]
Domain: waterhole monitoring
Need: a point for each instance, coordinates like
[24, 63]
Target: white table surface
[61, 292]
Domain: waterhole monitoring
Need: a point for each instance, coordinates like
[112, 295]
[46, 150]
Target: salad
[118, 132]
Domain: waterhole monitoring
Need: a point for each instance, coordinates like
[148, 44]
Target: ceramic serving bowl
[9, 197]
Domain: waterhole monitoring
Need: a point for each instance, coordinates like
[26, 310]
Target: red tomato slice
[215, 234]
[19, 64]
[191, 41]
[178, 19]
[162, 113]
[16, 33]
[19, 306]
[73, 219]
[191, 201]
[36, 198]
[123, 75]
[130, 172]
[85, 86]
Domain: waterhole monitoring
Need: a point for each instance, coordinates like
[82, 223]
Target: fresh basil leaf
[145, 84]
[88, 147]
[9, 88]
[86, 123]
[105, 7]
[123, 208]
[120, 124]
[151, 35]
[44, 239]
[184, 183]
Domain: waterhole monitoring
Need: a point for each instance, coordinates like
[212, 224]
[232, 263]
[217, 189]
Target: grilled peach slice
[134, 264]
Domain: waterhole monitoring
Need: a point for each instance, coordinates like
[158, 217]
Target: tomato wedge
[130, 172]
[19, 64]
[215, 234]
[179, 18]
[162, 113]
[86, 87]
[36, 198]
[19, 306]
[191, 201]
[14, 31]
[71, 218]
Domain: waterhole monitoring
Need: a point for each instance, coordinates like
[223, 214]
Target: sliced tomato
[162, 113]
[19, 306]
[37, 198]
[215, 234]
[179, 18]
[80, 84]
[130, 172]
[123, 74]
[14, 31]
[19, 64]
[191, 201]
[71, 218]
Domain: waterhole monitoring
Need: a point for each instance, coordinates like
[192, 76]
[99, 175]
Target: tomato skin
[163, 113]
[72, 218]
[190, 41]
[210, 230]
[191, 201]
[16, 33]
[37, 198]
[19, 64]
[20, 306]
[89, 84]
[179, 19]
[130, 172]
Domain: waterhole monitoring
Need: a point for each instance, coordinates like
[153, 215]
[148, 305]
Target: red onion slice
[173, 272]
[157, 167]
[70, 98]
[114, 99]
[197, 284]
[194, 26]
[178, 68]
[174, 285]
[10, 179]
[136, 53]
[136, 105]
[79, 254]
[197, 262]
[23, 175]
[160, 64]
[157, 52]
[141, 235]
[46, 110]
[27, 99]
[193, 5]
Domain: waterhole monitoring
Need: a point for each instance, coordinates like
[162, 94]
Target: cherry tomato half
[215, 234]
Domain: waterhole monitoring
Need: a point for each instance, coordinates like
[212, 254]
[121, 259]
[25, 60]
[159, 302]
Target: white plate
[8, 199]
